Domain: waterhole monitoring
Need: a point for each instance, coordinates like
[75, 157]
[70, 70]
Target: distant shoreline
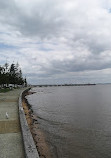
[59, 85]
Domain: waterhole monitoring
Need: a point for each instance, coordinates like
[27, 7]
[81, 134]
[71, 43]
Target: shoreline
[37, 134]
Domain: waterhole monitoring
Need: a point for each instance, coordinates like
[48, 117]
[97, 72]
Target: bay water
[75, 119]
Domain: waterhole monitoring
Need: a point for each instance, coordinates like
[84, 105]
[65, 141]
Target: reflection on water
[76, 120]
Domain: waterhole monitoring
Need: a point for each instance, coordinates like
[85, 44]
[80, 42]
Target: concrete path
[11, 144]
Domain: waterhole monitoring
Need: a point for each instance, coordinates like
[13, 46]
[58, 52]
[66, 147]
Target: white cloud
[57, 39]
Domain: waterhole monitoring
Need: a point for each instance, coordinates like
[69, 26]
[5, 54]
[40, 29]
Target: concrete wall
[29, 145]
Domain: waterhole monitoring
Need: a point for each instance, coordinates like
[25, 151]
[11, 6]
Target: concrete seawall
[29, 145]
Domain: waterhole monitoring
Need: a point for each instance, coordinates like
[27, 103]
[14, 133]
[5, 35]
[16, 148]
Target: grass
[4, 90]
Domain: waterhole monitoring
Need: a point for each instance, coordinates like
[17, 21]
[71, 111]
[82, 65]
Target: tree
[6, 74]
[25, 82]
[11, 75]
[1, 75]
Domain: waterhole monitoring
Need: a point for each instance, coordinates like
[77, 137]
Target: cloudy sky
[57, 41]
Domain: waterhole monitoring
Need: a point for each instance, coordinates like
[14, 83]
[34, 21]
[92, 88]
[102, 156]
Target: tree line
[11, 75]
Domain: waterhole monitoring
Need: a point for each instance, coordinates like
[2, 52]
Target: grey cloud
[74, 65]
[80, 32]
[42, 20]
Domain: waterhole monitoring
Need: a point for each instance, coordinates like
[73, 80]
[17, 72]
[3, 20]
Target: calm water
[76, 120]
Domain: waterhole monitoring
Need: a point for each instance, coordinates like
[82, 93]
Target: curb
[29, 145]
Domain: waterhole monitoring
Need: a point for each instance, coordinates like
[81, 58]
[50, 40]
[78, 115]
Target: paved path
[11, 145]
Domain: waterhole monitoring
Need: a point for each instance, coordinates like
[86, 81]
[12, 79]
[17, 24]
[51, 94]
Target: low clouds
[57, 40]
[33, 18]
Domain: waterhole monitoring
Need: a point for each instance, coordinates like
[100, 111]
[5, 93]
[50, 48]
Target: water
[76, 120]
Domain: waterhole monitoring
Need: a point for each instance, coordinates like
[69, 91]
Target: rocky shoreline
[37, 134]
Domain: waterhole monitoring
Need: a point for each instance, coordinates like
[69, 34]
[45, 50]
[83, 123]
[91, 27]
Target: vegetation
[4, 90]
[11, 75]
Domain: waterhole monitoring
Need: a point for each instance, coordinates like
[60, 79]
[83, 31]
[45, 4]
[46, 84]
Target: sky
[57, 41]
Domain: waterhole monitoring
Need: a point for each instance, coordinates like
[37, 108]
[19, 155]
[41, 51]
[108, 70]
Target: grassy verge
[5, 90]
